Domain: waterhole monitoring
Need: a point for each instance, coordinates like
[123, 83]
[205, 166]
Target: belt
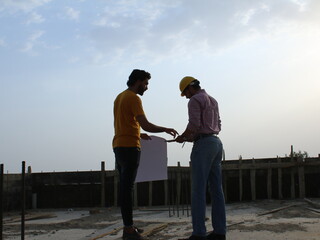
[204, 135]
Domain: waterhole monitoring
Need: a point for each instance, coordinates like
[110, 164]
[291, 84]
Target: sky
[62, 63]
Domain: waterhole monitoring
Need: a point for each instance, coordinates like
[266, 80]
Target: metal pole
[1, 201]
[169, 192]
[103, 187]
[23, 199]
[178, 188]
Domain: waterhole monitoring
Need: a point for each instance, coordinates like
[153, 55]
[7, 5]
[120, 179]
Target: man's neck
[195, 92]
[133, 89]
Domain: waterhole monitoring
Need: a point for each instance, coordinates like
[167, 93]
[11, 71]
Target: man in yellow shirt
[128, 118]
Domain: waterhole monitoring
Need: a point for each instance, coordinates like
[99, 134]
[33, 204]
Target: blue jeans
[127, 163]
[206, 159]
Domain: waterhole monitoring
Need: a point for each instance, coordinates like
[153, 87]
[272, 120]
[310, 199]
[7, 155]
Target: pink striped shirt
[203, 114]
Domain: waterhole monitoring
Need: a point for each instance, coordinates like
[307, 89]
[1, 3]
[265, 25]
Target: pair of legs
[206, 159]
[127, 162]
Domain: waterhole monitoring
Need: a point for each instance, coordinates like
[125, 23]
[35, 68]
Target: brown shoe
[138, 229]
[131, 233]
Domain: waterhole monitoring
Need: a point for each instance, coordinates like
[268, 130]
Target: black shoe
[132, 235]
[214, 236]
[193, 237]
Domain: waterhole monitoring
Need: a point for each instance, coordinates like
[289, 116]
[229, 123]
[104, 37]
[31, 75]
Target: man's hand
[145, 136]
[180, 139]
[171, 131]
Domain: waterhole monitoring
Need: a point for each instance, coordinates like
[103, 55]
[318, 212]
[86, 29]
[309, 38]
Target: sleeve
[194, 111]
[136, 107]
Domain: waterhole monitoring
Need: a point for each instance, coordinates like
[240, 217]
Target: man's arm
[150, 127]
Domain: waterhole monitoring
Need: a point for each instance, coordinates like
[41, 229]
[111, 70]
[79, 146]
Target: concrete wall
[243, 180]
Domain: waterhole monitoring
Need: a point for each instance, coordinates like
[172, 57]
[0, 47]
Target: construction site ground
[256, 220]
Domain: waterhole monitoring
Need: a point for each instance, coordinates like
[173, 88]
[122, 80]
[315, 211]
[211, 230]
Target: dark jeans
[127, 162]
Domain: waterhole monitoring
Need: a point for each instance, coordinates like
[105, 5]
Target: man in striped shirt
[203, 128]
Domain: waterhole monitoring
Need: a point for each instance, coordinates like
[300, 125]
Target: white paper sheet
[153, 161]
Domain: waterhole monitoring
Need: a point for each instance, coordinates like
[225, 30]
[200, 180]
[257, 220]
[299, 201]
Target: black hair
[195, 84]
[136, 75]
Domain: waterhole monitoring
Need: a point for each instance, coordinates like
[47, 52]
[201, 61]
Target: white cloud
[32, 42]
[188, 27]
[2, 42]
[23, 5]
[36, 35]
[301, 3]
[104, 22]
[35, 18]
[245, 17]
[73, 59]
[72, 13]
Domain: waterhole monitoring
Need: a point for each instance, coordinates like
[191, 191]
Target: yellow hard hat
[185, 83]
